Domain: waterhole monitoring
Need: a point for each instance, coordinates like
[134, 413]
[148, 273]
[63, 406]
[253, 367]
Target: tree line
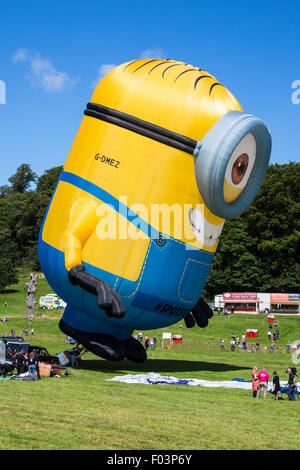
[258, 251]
[22, 209]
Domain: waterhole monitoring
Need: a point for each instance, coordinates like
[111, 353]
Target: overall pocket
[192, 280]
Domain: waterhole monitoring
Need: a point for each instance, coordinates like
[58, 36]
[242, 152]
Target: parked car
[7, 364]
[13, 347]
[15, 339]
[9, 346]
[44, 355]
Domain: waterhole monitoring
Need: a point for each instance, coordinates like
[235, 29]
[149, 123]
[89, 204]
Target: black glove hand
[200, 314]
[74, 272]
[108, 299]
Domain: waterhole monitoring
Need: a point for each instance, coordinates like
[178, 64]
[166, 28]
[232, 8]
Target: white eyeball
[241, 162]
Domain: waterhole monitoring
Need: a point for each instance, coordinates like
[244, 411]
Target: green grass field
[86, 411]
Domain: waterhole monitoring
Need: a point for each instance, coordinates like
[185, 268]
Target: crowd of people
[26, 362]
[25, 332]
[261, 379]
[273, 336]
[241, 343]
[147, 341]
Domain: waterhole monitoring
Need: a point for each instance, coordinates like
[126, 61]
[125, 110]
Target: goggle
[230, 161]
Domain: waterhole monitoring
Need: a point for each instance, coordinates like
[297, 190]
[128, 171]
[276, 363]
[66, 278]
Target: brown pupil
[239, 168]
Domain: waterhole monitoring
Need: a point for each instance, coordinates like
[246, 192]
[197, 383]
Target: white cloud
[42, 72]
[21, 55]
[153, 54]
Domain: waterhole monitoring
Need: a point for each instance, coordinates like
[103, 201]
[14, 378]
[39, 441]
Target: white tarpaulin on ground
[155, 379]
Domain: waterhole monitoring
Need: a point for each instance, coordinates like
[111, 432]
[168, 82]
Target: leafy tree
[235, 267]
[275, 215]
[260, 250]
[21, 180]
[8, 273]
[21, 216]
[24, 221]
[5, 190]
[48, 180]
[8, 248]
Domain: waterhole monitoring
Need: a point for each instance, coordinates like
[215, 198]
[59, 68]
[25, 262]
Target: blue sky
[52, 52]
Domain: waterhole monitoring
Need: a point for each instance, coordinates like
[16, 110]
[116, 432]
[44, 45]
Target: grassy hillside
[86, 411]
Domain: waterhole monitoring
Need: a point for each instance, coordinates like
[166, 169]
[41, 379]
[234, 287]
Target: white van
[51, 301]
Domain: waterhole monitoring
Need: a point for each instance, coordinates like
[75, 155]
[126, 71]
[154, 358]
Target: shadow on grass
[8, 291]
[158, 365]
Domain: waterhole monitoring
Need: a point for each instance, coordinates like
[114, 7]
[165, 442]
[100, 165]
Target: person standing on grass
[20, 362]
[291, 385]
[269, 334]
[37, 363]
[263, 382]
[26, 361]
[222, 345]
[147, 342]
[31, 364]
[255, 381]
[276, 384]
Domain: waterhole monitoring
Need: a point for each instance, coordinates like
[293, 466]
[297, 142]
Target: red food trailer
[177, 339]
[251, 333]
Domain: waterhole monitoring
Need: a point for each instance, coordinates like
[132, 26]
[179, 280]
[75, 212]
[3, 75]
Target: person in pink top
[263, 377]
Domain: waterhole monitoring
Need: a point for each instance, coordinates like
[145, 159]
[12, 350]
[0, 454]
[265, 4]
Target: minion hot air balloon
[158, 137]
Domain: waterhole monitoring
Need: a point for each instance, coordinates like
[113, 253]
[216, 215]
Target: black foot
[102, 345]
[135, 351]
[106, 346]
[200, 314]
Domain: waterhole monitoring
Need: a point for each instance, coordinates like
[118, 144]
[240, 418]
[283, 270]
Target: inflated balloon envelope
[159, 139]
